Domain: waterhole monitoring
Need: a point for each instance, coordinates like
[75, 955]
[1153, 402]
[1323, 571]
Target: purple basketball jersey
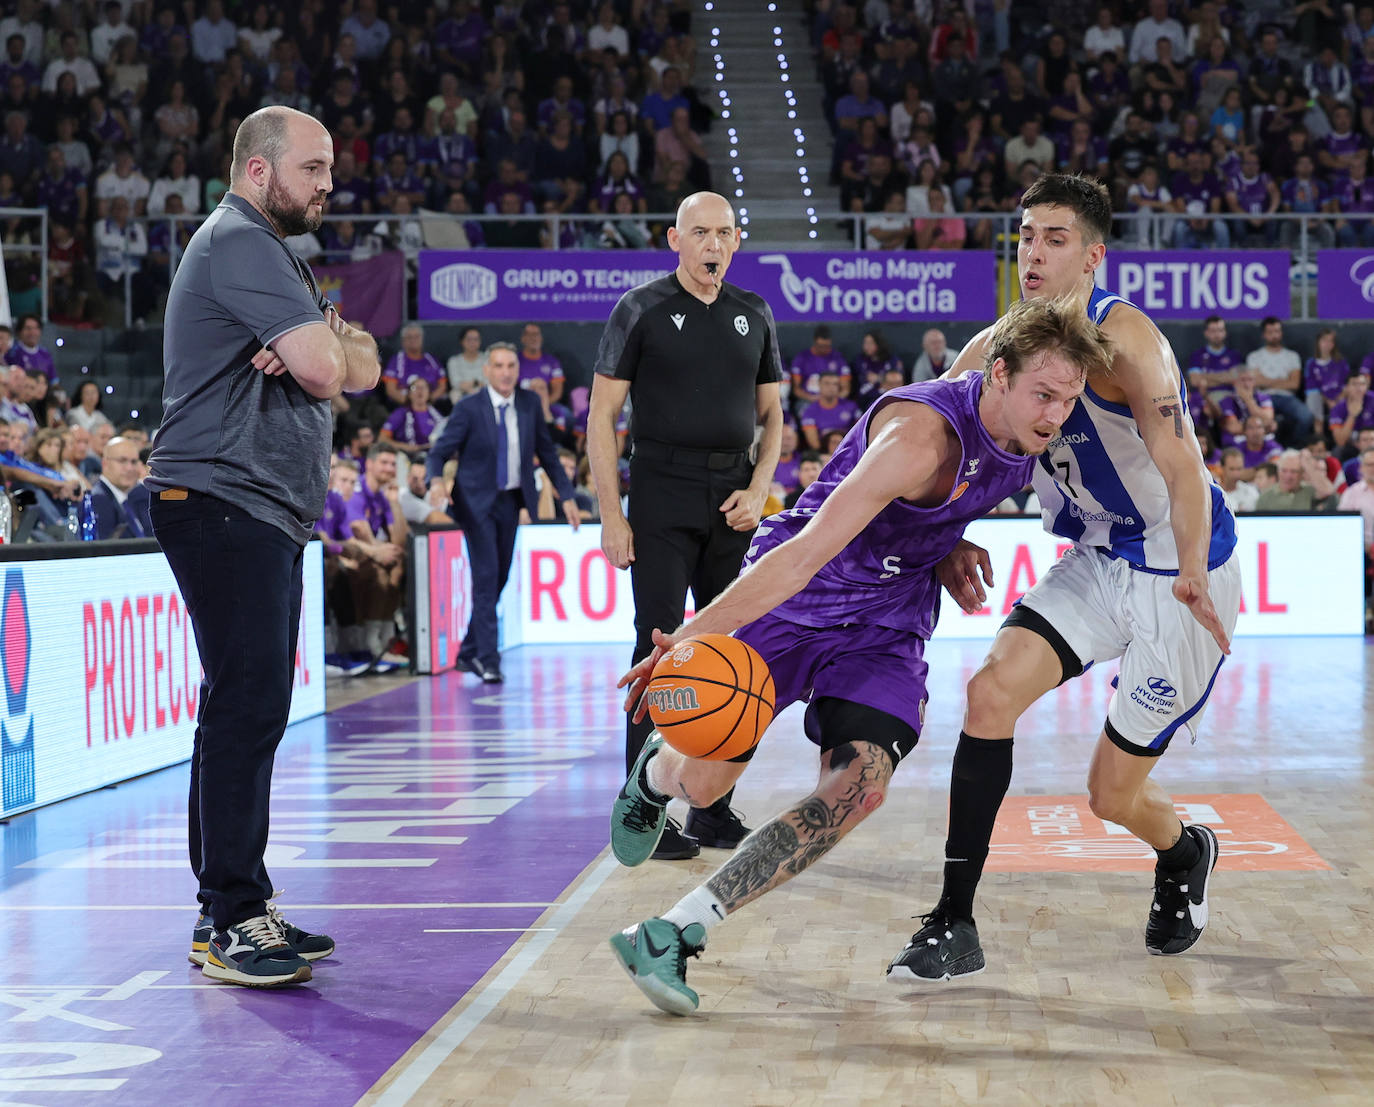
[885, 577]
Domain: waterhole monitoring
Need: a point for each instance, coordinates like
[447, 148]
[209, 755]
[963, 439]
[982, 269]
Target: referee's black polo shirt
[693, 368]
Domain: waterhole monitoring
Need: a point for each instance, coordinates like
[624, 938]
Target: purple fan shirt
[414, 428]
[808, 367]
[871, 367]
[1215, 361]
[401, 369]
[545, 365]
[1234, 405]
[551, 107]
[1300, 195]
[59, 196]
[37, 358]
[1354, 198]
[1197, 196]
[610, 188]
[1268, 450]
[462, 39]
[371, 506]
[1328, 376]
[348, 196]
[885, 576]
[334, 522]
[786, 472]
[827, 419]
[1363, 421]
[406, 182]
[1252, 195]
[1342, 146]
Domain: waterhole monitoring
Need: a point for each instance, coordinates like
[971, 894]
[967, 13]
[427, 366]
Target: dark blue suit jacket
[110, 515]
[470, 436]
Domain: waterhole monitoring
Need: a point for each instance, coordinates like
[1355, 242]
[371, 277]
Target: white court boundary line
[412, 1078]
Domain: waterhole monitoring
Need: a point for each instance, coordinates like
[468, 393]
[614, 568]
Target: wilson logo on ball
[673, 699]
[711, 697]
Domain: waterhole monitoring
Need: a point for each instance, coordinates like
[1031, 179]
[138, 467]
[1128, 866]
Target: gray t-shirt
[259, 442]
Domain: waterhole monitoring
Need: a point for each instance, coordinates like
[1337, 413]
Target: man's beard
[288, 218]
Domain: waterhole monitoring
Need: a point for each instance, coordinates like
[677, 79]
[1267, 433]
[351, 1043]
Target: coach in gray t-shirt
[253, 354]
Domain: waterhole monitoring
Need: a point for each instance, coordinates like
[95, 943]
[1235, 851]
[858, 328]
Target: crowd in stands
[1181, 108]
[116, 110]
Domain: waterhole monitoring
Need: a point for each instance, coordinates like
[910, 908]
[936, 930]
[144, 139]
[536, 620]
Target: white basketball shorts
[1105, 609]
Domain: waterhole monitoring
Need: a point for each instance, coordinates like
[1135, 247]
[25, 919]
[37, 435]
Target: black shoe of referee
[717, 826]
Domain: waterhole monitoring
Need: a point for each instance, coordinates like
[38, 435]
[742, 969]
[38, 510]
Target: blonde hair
[1034, 327]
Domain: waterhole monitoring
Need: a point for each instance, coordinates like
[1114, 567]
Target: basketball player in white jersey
[1150, 579]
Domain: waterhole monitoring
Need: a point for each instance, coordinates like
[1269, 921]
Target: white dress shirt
[512, 434]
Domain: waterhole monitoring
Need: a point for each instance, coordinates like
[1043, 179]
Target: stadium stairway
[739, 42]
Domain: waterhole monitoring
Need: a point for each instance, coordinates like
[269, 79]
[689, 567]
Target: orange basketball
[711, 697]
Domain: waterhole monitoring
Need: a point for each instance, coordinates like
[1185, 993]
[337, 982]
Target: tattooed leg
[853, 783]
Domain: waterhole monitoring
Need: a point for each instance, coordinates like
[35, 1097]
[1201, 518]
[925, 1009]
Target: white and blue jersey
[1098, 485]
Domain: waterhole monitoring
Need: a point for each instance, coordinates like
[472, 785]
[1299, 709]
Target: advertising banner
[101, 675]
[371, 292]
[1345, 284]
[443, 598]
[563, 590]
[1192, 284]
[471, 285]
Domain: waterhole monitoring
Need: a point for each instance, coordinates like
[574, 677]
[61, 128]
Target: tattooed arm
[853, 784]
[1146, 373]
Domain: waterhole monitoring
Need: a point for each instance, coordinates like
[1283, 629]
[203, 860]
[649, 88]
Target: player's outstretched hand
[959, 571]
[1191, 591]
[638, 677]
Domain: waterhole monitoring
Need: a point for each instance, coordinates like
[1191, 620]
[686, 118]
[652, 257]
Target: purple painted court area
[424, 829]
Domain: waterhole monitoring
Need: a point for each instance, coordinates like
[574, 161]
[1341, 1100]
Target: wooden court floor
[1275, 1005]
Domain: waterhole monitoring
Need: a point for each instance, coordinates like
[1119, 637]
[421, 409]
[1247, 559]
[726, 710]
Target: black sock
[1182, 855]
[978, 782]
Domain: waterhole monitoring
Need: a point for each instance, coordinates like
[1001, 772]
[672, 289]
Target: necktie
[502, 448]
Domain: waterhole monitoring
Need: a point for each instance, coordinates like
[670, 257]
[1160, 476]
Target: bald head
[119, 463]
[268, 133]
[282, 165]
[705, 238]
[708, 209]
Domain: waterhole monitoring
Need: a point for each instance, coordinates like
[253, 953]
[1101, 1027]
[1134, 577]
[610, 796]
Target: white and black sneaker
[944, 948]
[1178, 913]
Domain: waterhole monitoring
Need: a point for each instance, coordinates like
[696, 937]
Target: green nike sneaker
[636, 820]
[655, 954]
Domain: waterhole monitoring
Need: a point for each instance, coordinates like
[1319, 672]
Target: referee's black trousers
[241, 581]
[681, 539]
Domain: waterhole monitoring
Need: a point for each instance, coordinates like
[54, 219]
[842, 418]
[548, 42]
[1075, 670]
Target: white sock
[655, 780]
[697, 906]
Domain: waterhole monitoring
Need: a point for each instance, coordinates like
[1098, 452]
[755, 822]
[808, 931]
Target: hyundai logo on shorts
[1161, 687]
[463, 286]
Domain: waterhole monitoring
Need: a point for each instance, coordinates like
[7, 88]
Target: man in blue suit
[119, 501]
[495, 433]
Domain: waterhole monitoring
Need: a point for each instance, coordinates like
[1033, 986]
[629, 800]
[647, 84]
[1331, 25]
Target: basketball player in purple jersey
[1150, 579]
[839, 595]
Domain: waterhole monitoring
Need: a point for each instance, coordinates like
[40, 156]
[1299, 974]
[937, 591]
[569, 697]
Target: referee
[253, 355]
[699, 360]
